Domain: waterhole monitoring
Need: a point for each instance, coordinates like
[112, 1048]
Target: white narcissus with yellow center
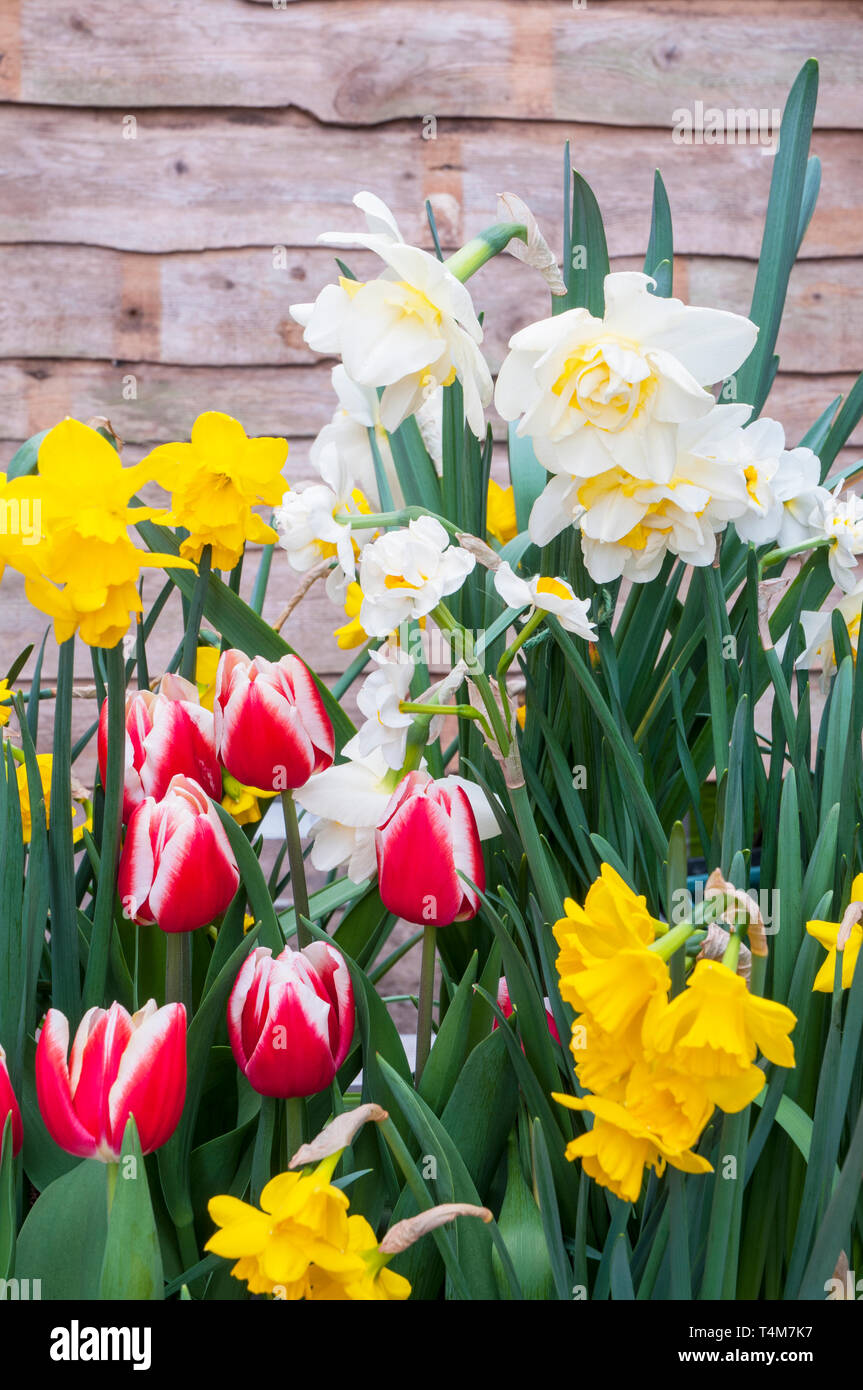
[345, 803]
[411, 331]
[818, 635]
[782, 485]
[840, 518]
[405, 574]
[551, 595]
[595, 394]
[307, 526]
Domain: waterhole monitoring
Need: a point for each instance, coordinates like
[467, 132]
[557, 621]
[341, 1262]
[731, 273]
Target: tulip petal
[151, 1080]
[53, 1090]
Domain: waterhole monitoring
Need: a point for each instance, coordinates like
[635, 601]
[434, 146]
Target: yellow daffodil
[521, 716]
[240, 802]
[669, 1103]
[616, 991]
[303, 1221]
[206, 666]
[352, 634]
[500, 520]
[84, 570]
[81, 812]
[215, 481]
[716, 1026]
[827, 933]
[5, 703]
[616, 1150]
[602, 1060]
[613, 919]
[362, 1276]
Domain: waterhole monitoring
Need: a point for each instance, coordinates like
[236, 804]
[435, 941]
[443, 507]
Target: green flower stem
[103, 912]
[468, 259]
[373, 521]
[776, 557]
[426, 1002]
[462, 711]
[672, 940]
[527, 631]
[295, 1125]
[731, 954]
[196, 613]
[178, 969]
[298, 869]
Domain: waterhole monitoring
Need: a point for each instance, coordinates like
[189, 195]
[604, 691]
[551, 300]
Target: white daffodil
[307, 526]
[841, 519]
[348, 434]
[551, 595]
[410, 331]
[595, 394]
[629, 524]
[405, 573]
[378, 698]
[782, 485]
[818, 634]
[345, 804]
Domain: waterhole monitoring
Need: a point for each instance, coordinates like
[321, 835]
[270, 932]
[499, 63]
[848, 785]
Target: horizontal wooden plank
[361, 64]
[193, 180]
[230, 308]
[291, 401]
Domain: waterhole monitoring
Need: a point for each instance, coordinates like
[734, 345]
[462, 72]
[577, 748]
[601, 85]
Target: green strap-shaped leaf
[132, 1266]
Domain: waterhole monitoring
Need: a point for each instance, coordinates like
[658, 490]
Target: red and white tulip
[177, 868]
[291, 1019]
[9, 1106]
[427, 838]
[167, 732]
[272, 729]
[120, 1065]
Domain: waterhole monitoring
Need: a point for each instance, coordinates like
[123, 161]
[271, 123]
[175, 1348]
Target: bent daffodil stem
[299, 889]
[468, 259]
[373, 521]
[775, 557]
[462, 711]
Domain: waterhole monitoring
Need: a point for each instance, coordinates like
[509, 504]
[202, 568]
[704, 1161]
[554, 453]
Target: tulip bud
[9, 1106]
[272, 730]
[166, 733]
[428, 836]
[291, 1019]
[505, 1004]
[119, 1066]
[177, 868]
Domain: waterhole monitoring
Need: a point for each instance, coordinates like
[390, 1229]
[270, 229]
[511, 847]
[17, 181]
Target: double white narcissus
[272, 729]
[291, 1019]
[595, 394]
[120, 1065]
[307, 526]
[167, 732]
[405, 573]
[177, 868]
[840, 518]
[428, 838]
[410, 331]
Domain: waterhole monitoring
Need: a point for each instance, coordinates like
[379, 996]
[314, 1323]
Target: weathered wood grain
[193, 180]
[230, 308]
[360, 64]
[291, 401]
